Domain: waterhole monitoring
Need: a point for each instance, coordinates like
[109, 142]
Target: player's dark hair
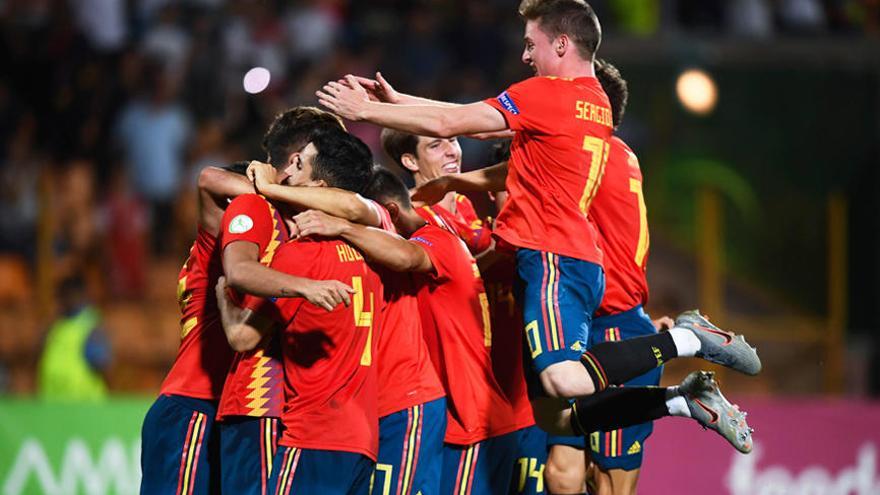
[500, 152]
[572, 17]
[386, 186]
[343, 160]
[239, 168]
[397, 143]
[292, 130]
[615, 87]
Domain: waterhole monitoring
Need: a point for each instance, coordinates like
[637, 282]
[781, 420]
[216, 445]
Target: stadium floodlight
[256, 80]
[697, 91]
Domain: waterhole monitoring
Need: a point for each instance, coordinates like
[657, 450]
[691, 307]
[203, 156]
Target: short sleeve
[524, 105]
[247, 218]
[384, 216]
[440, 246]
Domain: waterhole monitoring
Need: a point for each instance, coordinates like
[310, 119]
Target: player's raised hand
[664, 323]
[313, 222]
[378, 89]
[431, 192]
[347, 100]
[261, 174]
[327, 293]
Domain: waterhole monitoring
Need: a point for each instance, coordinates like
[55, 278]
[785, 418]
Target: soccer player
[327, 357]
[252, 230]
[452, 302]
[619, 213]
[563, 122]
[178, 442]
[427, 158]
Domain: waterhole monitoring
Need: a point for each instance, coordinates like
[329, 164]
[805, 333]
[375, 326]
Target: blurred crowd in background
[109, 109]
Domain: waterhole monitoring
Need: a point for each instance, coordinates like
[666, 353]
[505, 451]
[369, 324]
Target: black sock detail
[615, 363]
[618, 407]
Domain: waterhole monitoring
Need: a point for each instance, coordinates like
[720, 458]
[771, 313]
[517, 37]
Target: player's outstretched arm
[489, 179]
[337, 202]
[385, 248]
[380, 89]
[352, 102]
[216, 187]
[244, 329]
[247, 275]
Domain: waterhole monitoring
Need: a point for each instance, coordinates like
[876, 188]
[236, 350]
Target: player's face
[538, 50]
[300, 171]
[438, 156]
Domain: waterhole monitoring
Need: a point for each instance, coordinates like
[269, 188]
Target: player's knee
[564, 477]
[566, 380]
[616, 481]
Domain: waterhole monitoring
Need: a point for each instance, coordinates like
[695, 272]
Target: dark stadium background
[764, 212]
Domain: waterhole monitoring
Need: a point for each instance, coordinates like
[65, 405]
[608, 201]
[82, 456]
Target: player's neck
[448, 202]
[574, 67]
[409, 222]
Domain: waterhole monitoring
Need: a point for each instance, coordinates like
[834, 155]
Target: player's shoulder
[249, 201]
[623, 151]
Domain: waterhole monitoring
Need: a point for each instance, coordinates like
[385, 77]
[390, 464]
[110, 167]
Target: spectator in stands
[76, 351]
[153, 131]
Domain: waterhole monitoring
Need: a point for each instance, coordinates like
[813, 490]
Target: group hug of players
[341, 336]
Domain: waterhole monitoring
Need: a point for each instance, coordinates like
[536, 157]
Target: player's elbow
[208, 179]
[445, 127]
[241, 338]
[354, 210]
[237, 276]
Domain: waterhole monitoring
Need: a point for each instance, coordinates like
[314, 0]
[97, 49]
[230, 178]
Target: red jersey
[556, 163]
[406, 374]
[505, 316]
[330, 385]
[465, 223]
[507, 339]
[619, 213]
[455, 316]
[254, 381]
[204, 354]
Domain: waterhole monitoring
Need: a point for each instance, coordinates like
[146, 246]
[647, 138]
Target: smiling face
[435, 157]
[538, 51]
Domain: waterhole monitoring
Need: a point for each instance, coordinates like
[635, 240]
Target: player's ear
[291, 164]
[409, 162]
[393, 211]
[561, 44]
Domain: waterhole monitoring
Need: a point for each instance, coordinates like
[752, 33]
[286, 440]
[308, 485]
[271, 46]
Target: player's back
[620, 215]
[204, 355]
[455, 316]
[405, 372]
[330, 378]
[556, 163]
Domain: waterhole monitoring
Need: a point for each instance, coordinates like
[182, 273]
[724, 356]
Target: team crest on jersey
[240, 224]
[508, 103]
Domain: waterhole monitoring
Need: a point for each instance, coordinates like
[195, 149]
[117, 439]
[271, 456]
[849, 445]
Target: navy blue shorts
[179, 453]
[326, 472]
[623, 448]
[411, 450]
[482, 468]
[247, 451]
[559, 296]
[529, 461]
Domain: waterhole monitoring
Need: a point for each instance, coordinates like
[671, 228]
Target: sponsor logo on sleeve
[507, 102]
[240, 224]
[422, 240]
